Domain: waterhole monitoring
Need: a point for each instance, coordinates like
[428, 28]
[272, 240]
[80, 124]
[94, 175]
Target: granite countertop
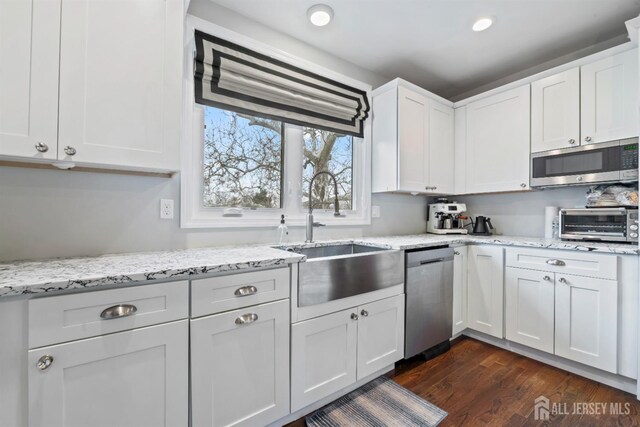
[32, 277]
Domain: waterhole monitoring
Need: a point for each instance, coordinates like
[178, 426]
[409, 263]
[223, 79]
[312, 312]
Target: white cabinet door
[555, 111]
[135, 378]
[29, 34]
[587, 320]
[413, 137]
[380, 335]
[460, 289]
[609, 98]
[529, 308]
[498, 142]
[485, 290]
[323, 356]
[240, 371]
[441, 148]
[120, 82]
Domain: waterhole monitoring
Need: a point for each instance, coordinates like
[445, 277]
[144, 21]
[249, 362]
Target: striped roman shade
[234, 78]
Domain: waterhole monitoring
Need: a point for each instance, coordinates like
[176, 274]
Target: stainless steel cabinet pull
[117, 311]
[547, 278]
[42, 147]
[246, 318]
[587, 138]
[562, 280]
[523, 185]
[44, 362]
[557, 262]
[364, 313]
[69, 150]
[354, 316]
[456, 253]
[245, 290]
[572, 141]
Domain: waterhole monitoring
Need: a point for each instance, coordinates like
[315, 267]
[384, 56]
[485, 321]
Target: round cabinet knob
[572, 141]
[42, 147]
[69, 150]
[579, 178]
[523, 185]
[563, 280]
[587, 138]
[364, 313]
[547, 278]
[456, 253]
[44, 362]
[354, 316]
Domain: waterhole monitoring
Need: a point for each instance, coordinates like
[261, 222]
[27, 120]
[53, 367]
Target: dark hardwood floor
[482, 385]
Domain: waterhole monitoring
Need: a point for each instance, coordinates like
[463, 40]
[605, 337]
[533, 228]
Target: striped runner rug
[380, 403]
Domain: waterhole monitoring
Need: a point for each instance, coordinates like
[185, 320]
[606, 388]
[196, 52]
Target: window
[240, 170]
[242, 162]
[332, 152]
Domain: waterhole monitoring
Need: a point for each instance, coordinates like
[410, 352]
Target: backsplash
[522, 213]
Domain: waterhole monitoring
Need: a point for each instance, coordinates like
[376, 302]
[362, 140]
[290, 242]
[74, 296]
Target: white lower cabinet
[485, 284]
[240, 366]
[586, 320]
[529, 309]
[331, 352]
[460, 289]
[134, 378]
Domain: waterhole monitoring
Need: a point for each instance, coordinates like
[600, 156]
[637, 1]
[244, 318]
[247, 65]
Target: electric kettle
[482, 226]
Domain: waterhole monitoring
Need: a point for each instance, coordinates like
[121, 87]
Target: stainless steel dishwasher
[429, 301]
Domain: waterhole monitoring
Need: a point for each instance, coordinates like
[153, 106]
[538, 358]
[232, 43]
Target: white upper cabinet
[413, 145]
[609, 98]
[555, 111]
[104, 88]
[497, 142]
[120, 82]
[29, 34]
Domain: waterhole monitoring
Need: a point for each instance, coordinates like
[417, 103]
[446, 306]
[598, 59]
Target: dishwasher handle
[431, 261]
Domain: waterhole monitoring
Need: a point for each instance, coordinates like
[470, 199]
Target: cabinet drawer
[222, 293]
[569, 262]
[70, 317]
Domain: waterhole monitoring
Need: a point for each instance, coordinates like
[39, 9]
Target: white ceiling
[430, 42]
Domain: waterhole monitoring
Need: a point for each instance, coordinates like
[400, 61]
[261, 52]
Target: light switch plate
[166, 209]
[375, 211]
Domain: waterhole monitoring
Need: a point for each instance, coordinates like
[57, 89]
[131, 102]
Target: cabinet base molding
[325, 401]
[612, 380]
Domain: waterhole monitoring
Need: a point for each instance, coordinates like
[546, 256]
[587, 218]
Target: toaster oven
[599, 224]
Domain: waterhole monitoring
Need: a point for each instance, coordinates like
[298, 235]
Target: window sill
[239, 223]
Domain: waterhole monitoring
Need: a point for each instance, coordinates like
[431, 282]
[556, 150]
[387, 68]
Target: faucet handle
[317, 224]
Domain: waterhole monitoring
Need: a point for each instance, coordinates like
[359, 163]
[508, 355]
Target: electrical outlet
[166, 209]
[375, 211]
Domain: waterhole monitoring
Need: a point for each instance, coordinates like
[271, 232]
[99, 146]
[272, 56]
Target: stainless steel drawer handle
[364, 313]
[354, 316]
[557, 262]
[245, 291]
[44, 362]
[456, 253]
[246, 318]
[118, 311]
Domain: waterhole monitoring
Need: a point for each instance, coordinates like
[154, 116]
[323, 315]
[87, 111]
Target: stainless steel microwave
[615, 161]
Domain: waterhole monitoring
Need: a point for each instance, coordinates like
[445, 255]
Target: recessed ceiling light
[482, 24]
[320, 15]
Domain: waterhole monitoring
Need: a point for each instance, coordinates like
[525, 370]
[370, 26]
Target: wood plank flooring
[482, 385]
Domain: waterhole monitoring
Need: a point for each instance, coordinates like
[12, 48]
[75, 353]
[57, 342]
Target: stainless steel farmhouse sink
[343, 270]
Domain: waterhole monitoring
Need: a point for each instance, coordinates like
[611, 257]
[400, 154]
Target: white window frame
[192, 212]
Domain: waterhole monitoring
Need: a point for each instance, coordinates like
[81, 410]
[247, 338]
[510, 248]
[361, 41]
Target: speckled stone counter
[31, 277]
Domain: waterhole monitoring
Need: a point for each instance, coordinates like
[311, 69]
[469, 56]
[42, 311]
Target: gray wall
[522, 214]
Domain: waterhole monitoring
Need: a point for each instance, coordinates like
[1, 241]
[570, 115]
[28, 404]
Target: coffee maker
[445, 217]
